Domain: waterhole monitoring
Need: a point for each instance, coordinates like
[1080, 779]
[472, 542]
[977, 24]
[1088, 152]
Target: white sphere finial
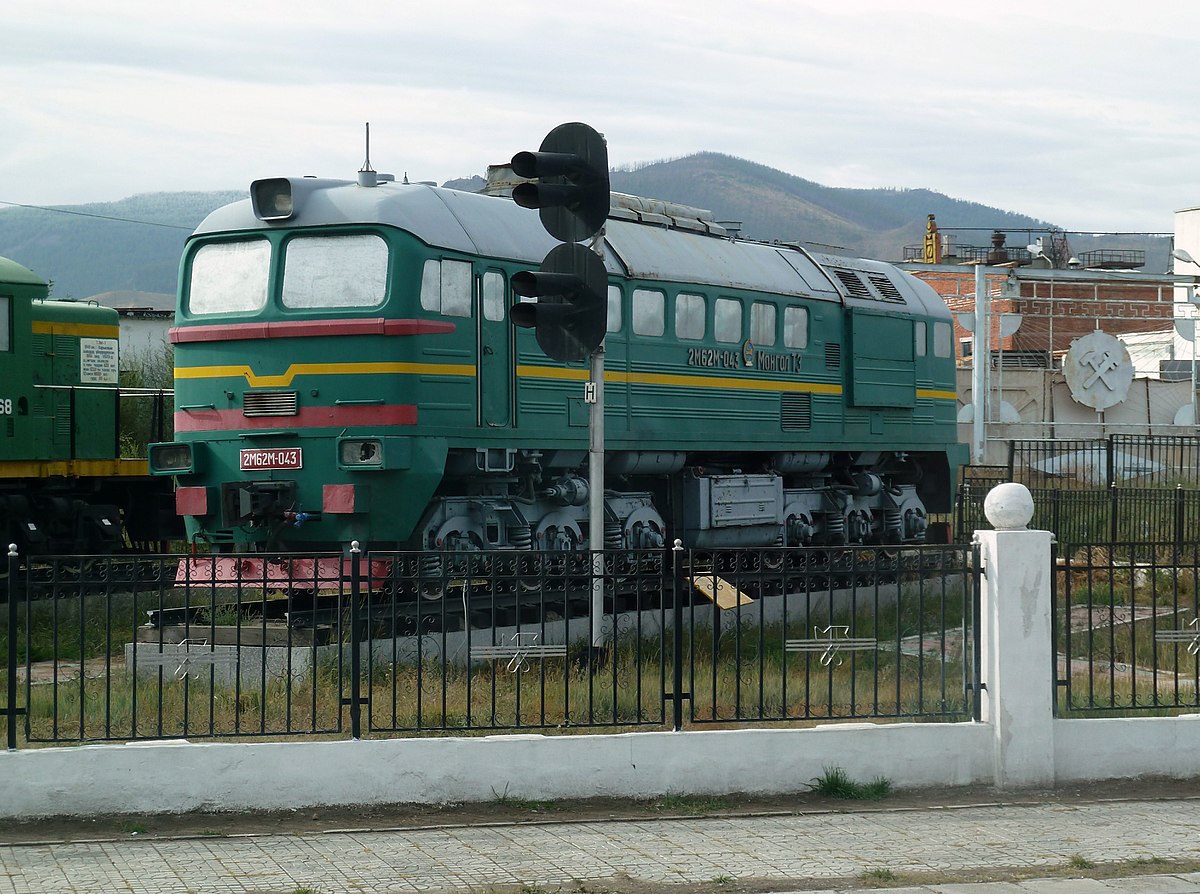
[1009, 507]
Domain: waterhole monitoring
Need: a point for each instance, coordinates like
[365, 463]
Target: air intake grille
[887, 288]
[795, 412]
[854, 284]
[269, 403]
[833, 356]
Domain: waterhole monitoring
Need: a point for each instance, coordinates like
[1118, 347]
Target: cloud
[1075, 112]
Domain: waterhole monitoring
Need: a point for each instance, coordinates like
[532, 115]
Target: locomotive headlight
[171, 459]
[272, 199]
[360, 452]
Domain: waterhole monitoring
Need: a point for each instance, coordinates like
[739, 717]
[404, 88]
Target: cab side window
[762, 324]
[614, 309]
[493, 296]
[649, 312]
[727, 320]
[690, 313]
[446, 287]
[5, 323]
[795, 327]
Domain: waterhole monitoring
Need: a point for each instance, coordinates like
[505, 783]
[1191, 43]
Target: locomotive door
[494, 380]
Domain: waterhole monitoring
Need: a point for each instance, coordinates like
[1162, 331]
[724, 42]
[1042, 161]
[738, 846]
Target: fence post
[10, 707]
[1017, 641]
[355, 646]
[677, 659]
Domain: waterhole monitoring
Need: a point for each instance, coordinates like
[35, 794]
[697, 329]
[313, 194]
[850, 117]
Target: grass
[747, 675]
[1078, 861]
[878, 875]
[537, 806]
[834, 782]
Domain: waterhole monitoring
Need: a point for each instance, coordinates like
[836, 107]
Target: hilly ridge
[134, 244]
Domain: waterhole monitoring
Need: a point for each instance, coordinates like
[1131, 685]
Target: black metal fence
[107, 648]
[1119, 460]
[1102, 515]
[1125, 628]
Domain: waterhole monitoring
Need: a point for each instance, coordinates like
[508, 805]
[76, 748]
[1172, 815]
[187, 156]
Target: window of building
[762, 324]
[795, 327]
[967, 347]
[229, 277]
[727, 320]
[690, 311]
[335, 271]
[649, 312]
[446, 287]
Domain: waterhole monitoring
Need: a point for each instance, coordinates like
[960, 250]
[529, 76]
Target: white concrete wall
[178, 776]
[1019, 743]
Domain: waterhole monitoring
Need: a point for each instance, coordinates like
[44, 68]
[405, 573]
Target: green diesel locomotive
[346, 369]
[64, 487]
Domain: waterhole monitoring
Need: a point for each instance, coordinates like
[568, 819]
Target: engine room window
[943, 339]
[727, 321]
[614, 309]
[919, 338]
[5, 324]
[795, 327]
[762, 324]
[690, 311]
[649, 314]
[335, 271]
[229, 277]
[493, 296]
[446, 287]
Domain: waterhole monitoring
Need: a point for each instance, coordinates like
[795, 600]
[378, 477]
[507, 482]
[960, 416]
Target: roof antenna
[366, 174]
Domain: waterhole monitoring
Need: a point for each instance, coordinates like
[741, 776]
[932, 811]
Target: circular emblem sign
[1098, 370]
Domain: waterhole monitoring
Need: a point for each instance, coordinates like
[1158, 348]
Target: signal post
[570, 312]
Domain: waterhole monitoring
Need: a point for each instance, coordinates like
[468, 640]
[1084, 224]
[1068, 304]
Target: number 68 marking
[5, 406]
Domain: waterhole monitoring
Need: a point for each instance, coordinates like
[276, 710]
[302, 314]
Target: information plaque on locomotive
[261, 458]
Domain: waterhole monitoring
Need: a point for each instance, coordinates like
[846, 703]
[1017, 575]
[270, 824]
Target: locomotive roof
[11, 271]
[497, 227]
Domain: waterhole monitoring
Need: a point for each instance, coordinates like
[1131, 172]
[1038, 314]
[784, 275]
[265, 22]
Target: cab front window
[335, 271]
[229, 277]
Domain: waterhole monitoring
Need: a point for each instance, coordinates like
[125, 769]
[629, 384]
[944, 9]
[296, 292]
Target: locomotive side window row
[5, 323]
[691, 319]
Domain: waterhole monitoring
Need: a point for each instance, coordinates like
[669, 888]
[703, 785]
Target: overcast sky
[1084, 114]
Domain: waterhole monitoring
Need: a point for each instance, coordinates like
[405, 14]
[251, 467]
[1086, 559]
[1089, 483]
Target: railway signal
[571, 194]
[570, 313]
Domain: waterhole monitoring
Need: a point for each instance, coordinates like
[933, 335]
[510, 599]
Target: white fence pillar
[1017, 647]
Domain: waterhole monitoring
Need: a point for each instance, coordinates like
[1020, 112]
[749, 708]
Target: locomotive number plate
[264, 458]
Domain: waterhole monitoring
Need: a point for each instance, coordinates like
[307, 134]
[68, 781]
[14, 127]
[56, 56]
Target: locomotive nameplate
[266, 458]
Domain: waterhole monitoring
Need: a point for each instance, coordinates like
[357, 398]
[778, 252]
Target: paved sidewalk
[814, 851]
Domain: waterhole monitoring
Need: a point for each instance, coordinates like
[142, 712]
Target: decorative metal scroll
[836, 640]
[1191, 637]
[523, 648]
[190, 663]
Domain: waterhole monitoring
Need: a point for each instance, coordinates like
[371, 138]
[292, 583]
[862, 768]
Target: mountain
[134, 244]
